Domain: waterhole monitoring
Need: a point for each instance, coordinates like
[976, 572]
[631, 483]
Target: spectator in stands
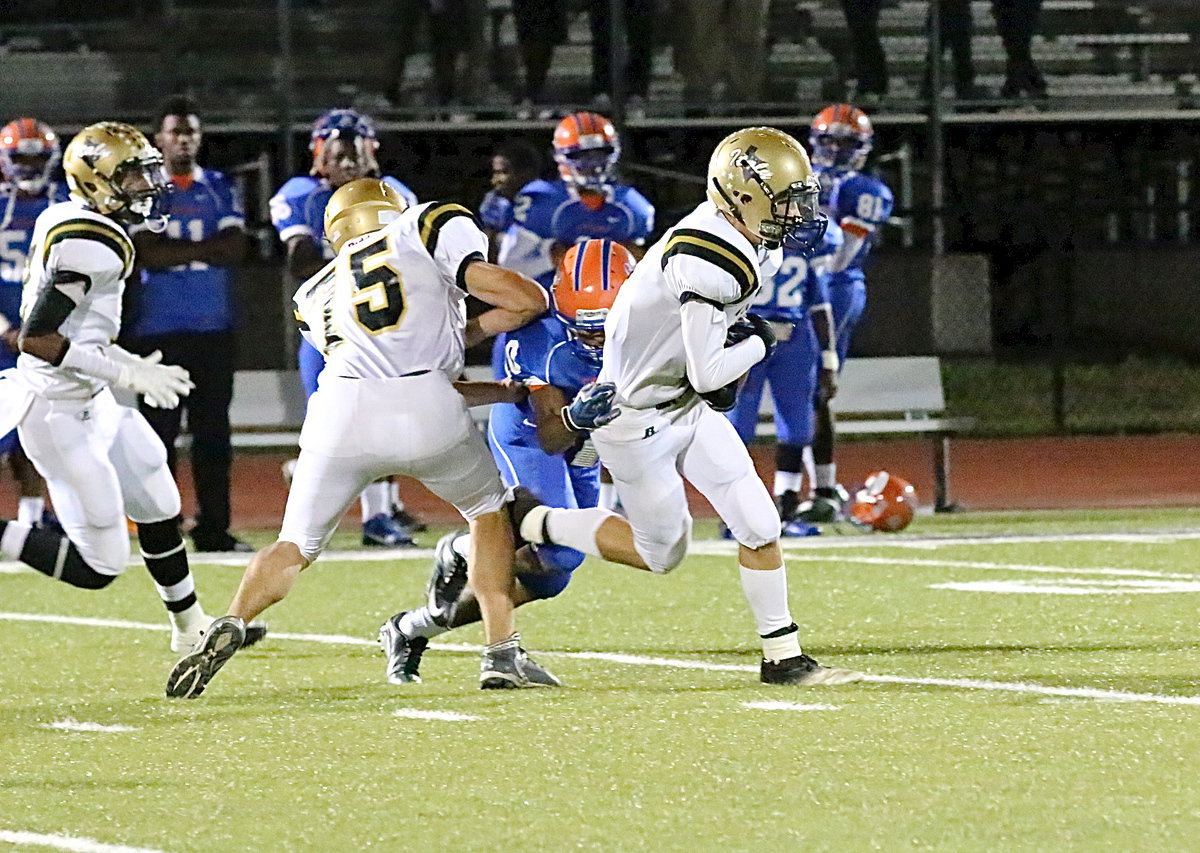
[455, 30]
[541, 26]
[638, 22]
[184, 306]
[1016, 22]
[870, 63]
[955, 28]
[721, 49]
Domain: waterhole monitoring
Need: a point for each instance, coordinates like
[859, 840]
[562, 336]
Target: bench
[909, 391]
[268, 408]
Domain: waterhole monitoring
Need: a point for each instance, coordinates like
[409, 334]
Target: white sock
[608, 496]
[576, 528]
[809, 465]
[787, 481]
[394, 494]
[419, 623]
[766, 591]
[178, 591]
[782, 648]
[13, 539]
[29, 510]
[826, 476]
[192, 619]
[375, 501]
[462, 545]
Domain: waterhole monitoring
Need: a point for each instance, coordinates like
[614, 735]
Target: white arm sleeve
[710, 364]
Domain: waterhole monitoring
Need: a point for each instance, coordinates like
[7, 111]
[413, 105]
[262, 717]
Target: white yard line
[905, 560]
[71, 725]
[669, 663]
[788, 706]
[68, 842]
[446, 716]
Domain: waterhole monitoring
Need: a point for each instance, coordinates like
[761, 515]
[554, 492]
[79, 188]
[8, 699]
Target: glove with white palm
[161, 384]
[592, 407]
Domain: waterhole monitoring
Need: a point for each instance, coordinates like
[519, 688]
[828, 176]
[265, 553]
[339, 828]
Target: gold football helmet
[762, 177]
[361, 207]
[115, 169]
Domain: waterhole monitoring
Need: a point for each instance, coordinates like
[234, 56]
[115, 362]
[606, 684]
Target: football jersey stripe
[90, 229]
[434, 217]
[711, 248]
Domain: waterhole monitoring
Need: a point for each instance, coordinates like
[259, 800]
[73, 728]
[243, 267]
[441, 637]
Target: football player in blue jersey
[29, 154]
[514, 165]
[535, 445]
[841, 137]
[802, 368]
[343, 145]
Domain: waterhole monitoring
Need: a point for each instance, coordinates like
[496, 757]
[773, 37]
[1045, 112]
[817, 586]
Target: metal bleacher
[125, 56]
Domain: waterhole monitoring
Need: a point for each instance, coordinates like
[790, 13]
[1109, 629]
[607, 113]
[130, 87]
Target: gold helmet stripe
[90, 229]
[434, 217]
[719, 252]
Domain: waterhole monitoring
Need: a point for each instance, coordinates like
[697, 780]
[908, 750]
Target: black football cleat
[803, 671]
[521, 502]
[255, 631]
[448, 580]
[403, 652]
[191, 675]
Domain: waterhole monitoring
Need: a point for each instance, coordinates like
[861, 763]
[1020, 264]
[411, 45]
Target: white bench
[909, 391]
[268, 407]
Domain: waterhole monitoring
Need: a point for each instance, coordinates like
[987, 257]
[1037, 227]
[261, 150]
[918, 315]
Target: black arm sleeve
[54, 305]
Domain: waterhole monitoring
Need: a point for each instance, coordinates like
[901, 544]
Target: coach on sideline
[183, 305]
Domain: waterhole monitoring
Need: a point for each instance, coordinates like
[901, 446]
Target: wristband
[565, 414]
[829, 359]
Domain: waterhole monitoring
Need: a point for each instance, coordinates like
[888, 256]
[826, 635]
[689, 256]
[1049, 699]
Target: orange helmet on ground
[885, 502]
[588, 278]
[586, 149]
[840, 137]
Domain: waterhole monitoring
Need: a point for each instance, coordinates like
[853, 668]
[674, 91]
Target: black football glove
[750, 326]
[724, 398]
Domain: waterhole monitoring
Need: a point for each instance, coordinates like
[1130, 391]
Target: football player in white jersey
[677, 338]
[101, 461]
[389, 315]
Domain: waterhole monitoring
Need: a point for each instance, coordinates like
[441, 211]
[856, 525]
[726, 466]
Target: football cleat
[382, 531]
[406, 519]
[403, 652]
[819, 510]
[194, 671]
[506, 666]
[521, 502]
[255, 631]
[788, 504]
[803, 671]
[447, 581]
[796, 529]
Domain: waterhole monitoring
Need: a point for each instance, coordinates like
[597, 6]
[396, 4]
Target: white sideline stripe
[641, 660]
[448, 716]
[993, 567]
[72, 725]
[789, 706]
[69, 842]
[1082, 586]
[718, 547]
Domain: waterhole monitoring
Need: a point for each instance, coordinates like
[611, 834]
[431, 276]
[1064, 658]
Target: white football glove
[161, 384]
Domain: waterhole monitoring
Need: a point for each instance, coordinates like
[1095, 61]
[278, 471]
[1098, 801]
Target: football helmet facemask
[841, 137]
[762, 177]
[586, 149]
[361, 207]
[114, 169]
[885, 502]
[588, 278]
[29, 151]
[356, 131]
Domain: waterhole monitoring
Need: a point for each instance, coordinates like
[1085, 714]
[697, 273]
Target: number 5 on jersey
[379, 289]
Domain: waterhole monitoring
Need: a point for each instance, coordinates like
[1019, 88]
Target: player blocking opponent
[101, 461]
[389, 315]
[535, 445]
[678, 333]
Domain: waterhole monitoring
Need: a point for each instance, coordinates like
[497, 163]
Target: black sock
[55, 556]
[162, 548]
